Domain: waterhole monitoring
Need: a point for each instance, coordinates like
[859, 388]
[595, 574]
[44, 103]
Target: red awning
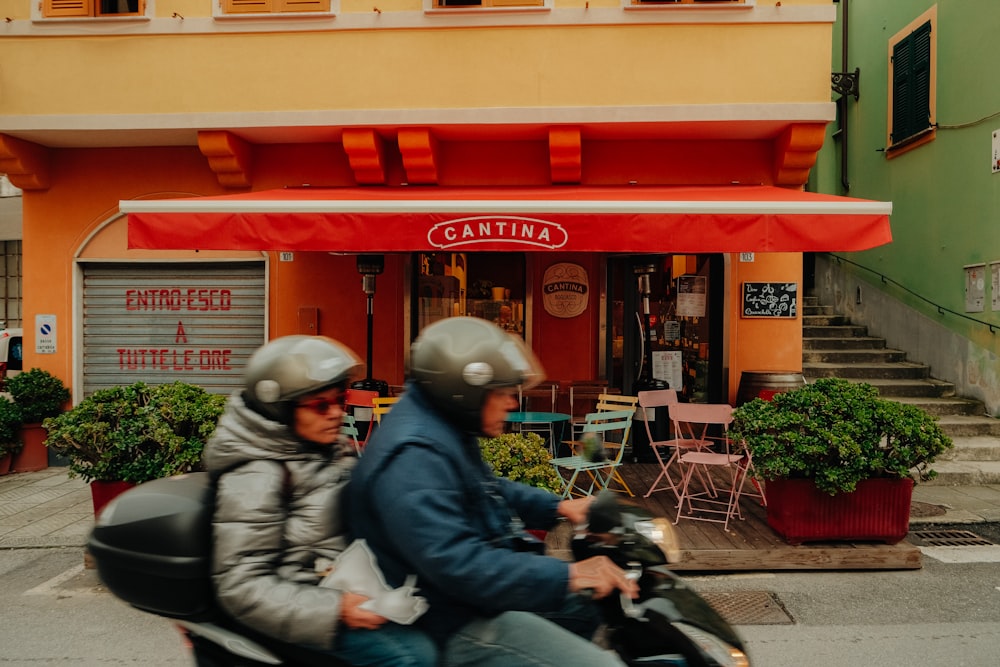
[573, 219]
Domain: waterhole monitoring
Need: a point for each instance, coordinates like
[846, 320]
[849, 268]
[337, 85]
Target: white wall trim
[72, 130]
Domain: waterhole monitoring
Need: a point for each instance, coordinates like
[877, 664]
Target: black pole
[370, 266]
[371, 327]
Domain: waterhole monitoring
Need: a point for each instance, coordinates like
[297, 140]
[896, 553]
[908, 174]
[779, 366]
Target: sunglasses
[321, 406]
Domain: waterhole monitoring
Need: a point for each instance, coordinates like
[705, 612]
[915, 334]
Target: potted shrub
[10, 427]
[39, 394]
[122, 436]
[839, 461]
[522, 457]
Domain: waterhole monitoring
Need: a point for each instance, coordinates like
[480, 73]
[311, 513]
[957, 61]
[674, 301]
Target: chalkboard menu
[770, 300]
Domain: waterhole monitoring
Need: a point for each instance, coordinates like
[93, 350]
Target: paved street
[53, 611]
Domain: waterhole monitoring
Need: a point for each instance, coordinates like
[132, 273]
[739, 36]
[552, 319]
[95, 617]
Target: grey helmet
[287, 368]
[459, 359]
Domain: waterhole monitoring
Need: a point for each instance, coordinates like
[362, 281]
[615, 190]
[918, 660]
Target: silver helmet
[287, 368]
[459, 359]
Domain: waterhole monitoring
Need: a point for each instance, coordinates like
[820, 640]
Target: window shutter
[246, 6]
[53, 8]
[303, 5]
[911, 84]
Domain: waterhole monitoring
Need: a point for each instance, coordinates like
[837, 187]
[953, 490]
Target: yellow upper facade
[179, 63]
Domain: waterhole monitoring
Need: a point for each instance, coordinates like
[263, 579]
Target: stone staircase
[833, 347]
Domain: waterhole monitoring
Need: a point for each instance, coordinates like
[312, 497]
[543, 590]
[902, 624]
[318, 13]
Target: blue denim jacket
[428, 504]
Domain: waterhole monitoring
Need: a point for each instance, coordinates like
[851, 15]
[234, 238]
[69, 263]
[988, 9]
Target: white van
[10, 353]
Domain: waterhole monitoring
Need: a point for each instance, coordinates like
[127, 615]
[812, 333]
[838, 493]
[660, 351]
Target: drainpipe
[846, 83]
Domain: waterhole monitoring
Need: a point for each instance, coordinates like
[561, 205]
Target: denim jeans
[391, 645]
[524, 639]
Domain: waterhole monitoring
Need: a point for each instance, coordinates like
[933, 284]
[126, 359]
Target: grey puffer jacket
[278, 509]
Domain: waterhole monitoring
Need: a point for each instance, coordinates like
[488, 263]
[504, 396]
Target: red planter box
[102, 493]
[878, 510]
[34, 455]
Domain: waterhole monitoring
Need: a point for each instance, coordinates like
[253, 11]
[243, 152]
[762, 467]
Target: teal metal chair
[349, 428]
[610, 431]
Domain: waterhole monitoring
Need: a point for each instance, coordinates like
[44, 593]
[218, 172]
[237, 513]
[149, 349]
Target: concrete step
[950, 406]
[965, 473]
[973, 448]
[895, 388]
[823, 320]
[957, 426]
[845, 331]
[852, 343]
[864, 356]
[816, 309]
[864, 371]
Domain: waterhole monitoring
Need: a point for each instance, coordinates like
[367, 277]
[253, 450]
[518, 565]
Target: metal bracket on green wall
[847, 83]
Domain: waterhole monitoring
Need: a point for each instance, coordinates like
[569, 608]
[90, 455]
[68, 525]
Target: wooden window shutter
[53, 8]
[246, 6]
[303, 5]
[911, 84]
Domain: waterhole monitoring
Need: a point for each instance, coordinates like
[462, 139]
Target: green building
[919, 125]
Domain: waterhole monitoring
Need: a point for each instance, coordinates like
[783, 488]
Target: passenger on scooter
[281, 468]
[428, 505]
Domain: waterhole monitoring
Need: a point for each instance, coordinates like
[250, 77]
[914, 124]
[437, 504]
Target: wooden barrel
[765, 384]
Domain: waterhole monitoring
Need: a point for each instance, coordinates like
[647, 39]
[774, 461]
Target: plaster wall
[767, 344]
[467, 67]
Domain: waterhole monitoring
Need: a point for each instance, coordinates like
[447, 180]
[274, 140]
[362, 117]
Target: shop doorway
[680, 340]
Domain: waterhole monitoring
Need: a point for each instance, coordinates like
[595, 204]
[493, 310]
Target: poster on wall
[691, 296]
[975, 288]
[668, 365]
[565, 290]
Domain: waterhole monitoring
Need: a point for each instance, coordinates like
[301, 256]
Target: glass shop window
[490, 285]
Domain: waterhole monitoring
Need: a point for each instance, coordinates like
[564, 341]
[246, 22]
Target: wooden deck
[751, 545]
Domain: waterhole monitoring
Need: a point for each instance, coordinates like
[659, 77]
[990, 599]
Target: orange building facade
[197, 181]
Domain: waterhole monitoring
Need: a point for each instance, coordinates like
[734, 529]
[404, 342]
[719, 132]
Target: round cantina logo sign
[564, 290]
[517, 231]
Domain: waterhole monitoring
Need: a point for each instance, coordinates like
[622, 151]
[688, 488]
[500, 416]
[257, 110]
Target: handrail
[941, 309]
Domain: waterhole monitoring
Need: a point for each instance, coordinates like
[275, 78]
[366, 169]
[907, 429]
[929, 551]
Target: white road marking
[51, 587]
[970, 554]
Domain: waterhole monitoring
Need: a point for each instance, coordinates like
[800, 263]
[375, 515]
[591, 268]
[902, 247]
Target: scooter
[152, 547]
[669, 625]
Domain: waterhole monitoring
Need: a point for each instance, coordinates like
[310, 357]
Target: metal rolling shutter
[160, 323]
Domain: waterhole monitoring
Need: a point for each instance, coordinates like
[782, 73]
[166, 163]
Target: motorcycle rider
[428, 505]
[281, 467]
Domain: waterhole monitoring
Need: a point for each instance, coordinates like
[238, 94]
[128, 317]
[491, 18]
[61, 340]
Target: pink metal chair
[709, 423]
[665, 399]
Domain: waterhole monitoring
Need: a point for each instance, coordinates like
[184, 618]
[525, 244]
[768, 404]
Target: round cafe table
[546, 420]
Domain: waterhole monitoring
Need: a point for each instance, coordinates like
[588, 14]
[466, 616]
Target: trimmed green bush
[10, 426]
[522, 457]
[838, 433]
[136, 433]
[38, 393]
